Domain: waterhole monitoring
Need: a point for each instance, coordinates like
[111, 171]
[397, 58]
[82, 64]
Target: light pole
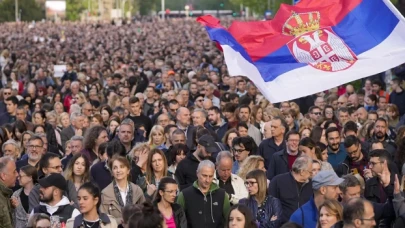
[187, 8]
[16, 10]
[163, 9]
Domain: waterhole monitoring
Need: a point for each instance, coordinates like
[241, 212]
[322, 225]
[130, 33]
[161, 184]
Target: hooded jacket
[186, 171]
[63, 209]
[209, 210]
[221, 130]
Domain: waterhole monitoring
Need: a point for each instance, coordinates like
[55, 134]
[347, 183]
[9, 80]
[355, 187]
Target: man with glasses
[242, 147]
[6, 94]
[293, 188]
[282, 161]
[315, 114]
[49, 164]
[356, 161]
[35, 147]
[87, 109]
[379, 164]
[326, 187]
[198, 103]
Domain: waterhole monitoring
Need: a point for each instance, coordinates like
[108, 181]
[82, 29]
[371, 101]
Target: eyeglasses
[351, 153]
[317, 113]
[329, 113]
[373, 163]
[200, 100]
[250, 183]
[35, 147]
[238, 150]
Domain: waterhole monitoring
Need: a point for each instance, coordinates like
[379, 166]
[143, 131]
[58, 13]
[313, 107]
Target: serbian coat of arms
[319, 47]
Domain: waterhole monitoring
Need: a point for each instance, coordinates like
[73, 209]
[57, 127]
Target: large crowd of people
[145, 128]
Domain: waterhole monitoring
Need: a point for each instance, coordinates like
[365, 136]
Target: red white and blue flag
[312, 46]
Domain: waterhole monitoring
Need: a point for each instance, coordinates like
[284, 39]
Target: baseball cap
[325, 178]
[54, 179]
[208, 142]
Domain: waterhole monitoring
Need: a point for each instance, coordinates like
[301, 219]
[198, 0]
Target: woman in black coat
[165, 203]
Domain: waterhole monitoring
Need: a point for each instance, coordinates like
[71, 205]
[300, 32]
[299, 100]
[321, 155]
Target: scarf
[117, 193]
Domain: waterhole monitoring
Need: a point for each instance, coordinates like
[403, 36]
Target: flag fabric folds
[312, 46]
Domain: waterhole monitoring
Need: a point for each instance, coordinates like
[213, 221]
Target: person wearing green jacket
[205, 204]
[8, 176]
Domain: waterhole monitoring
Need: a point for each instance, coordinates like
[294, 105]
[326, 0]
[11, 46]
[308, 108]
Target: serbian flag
[312, 46]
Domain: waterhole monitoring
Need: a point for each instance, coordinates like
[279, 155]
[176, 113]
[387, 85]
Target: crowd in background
[146, 128]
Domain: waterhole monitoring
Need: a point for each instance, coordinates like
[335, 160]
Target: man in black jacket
[274, 144]
[293, 189]
[283, 160]
[186, 169]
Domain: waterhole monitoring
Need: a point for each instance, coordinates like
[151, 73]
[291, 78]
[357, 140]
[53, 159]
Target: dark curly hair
[91, 136]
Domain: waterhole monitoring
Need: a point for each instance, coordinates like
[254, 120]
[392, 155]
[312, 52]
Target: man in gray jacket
[51, 163]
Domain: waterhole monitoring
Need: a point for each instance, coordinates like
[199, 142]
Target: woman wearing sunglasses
[266, 209]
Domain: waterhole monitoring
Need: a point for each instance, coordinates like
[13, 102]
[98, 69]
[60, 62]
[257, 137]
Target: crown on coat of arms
[300, 23]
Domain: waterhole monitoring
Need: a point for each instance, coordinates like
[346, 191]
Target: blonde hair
[113, 101]
[155, 130]
[59, 119]
[138, 148]
[249, 164]
[58, 103]
[334, 208]
[274, 112]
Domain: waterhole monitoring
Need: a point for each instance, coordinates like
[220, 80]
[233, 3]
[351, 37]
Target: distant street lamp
[187, 8]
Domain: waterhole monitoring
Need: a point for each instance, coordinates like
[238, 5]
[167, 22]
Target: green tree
[30, 10]
[73, 9]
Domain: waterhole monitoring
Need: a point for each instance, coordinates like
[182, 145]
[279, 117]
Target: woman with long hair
[19, 127]
[96, 120]
[240, 216]
[177, 153]
[78, 170]
[25, 137]
[257, 117]
[112, 125]
[393, 115]
[308, 147]
[148, 217]
[106, 112]
[93, 138]
[330, 212]
[318, 135]
[27, 178]
[121, 191]
[228, 137]
[89, 198]
[172, 212]
[156, 169]
[249, 164]
[329, 113]
[265, 208]
[157, 137]
[39, 118]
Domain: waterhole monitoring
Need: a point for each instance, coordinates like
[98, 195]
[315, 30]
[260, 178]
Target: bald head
[183, 116]
[354, 99]
[342, 101]
[207, 104]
